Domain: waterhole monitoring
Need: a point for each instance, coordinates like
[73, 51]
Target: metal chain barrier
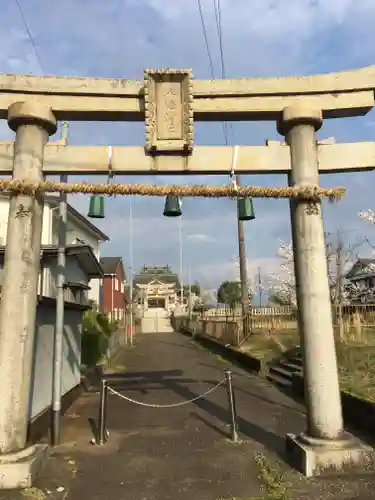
[102, 434]
[173, 405]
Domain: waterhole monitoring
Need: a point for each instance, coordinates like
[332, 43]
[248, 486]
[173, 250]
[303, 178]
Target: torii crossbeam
[132, 160]
[349, 93]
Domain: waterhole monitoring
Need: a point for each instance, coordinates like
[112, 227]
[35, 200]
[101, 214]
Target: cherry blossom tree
[281, 287]
[368, 215]
[250, 281]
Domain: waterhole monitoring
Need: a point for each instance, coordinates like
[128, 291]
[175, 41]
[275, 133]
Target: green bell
[96, 208]
[245, 209]
[172, 206]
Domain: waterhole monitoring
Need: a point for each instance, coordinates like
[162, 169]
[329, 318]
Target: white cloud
[201, 237]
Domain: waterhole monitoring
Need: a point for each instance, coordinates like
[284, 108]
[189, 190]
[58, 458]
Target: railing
[354, 323]
[272, 311]
[222, 312]
[256, 311]
[226, 332]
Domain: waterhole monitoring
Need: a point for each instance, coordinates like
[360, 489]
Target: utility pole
[190, 302]
[181, 264]
[242, 261]
[131, 271]
[60, 306]
[260, 291]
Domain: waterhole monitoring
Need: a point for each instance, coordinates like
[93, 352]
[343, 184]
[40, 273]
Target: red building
[112, 288]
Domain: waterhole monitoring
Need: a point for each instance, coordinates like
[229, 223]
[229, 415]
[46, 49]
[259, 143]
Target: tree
[281, 287]
[195, 288]
[96, 331]
[229, 293]
[368, 215]
[197, 301]
[342, 256]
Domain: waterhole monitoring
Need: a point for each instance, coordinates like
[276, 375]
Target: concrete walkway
[182, 453]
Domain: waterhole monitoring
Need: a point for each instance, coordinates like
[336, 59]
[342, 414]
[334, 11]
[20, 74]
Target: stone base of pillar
[316, 457]
[19, 470]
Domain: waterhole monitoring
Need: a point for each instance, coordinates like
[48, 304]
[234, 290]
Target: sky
[118, 39]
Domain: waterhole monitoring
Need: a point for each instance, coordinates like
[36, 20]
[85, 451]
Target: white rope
[110, 169]
[233, 169]
[110, 157]
[174, 405]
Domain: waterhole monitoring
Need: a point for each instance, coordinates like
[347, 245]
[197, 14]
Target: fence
[222, 312]
[225, 331]
[255, 311]
[271, 319]
[354, 323]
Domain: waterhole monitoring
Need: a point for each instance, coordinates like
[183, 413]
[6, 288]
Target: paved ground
[182, 453]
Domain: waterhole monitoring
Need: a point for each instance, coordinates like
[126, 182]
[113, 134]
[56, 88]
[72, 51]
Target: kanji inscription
[168, 111]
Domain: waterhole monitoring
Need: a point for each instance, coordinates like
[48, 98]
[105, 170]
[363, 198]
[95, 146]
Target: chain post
[232, 406]
[102, 419]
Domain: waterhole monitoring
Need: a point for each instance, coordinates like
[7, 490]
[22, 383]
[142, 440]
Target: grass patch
[355, 357]
[357, 369]
[274, 484]
[265, 346]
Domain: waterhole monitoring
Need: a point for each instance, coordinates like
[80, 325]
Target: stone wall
[225, 332]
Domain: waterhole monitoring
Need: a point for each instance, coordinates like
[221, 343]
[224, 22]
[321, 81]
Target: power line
[29, 34]
[217, 10]
[219, 28]
[206, 39]
[218, 25]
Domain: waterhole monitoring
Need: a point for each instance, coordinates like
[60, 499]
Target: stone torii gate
[170, 101]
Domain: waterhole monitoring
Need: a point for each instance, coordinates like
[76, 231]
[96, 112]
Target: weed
[274, 483]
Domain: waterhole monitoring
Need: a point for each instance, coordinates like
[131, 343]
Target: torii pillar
[325, 444]
[33, 123]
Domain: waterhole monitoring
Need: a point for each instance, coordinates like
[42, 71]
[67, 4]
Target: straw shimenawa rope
[309, 193]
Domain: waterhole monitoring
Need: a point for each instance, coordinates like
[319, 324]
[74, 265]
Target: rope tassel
[308, 193]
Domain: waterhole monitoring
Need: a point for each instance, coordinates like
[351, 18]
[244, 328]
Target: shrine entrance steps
[156, 320]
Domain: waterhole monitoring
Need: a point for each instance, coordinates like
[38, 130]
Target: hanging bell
[245, 209]
[172, 206]
[96, 208]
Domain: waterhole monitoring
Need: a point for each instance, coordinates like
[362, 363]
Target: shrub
[96, 331]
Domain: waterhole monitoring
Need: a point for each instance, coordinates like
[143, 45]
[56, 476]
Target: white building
[79, 230]
[81, 267]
